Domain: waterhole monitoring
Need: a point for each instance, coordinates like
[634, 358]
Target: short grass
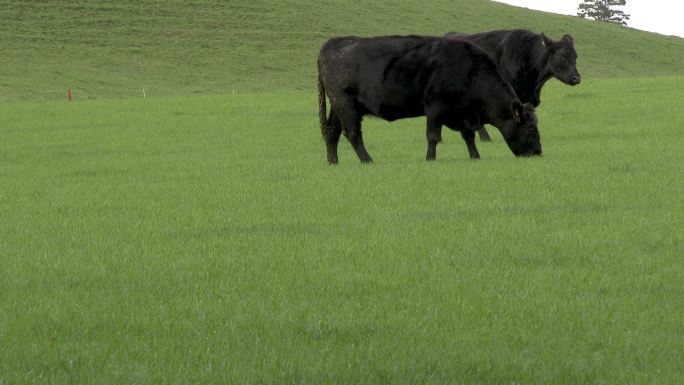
[203, 240]
[179, 47]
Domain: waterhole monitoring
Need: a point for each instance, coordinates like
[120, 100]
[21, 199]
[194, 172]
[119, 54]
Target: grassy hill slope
[183, 47]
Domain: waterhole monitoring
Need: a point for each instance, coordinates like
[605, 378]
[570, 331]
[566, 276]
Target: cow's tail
[322, 109]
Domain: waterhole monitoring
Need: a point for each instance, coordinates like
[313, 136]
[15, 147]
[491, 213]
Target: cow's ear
[545, 41]
[517, 109]
[567, 38]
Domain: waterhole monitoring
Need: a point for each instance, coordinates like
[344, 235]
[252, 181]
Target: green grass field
[197, 236]
[204, 240]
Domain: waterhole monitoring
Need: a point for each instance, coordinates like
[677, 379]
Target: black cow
[451, 82]
[527, 60]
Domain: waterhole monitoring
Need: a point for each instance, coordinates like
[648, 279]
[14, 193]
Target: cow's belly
[462, 119]
[395, 106]
[391, 112]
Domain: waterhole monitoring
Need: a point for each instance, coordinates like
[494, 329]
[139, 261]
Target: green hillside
[179, 47]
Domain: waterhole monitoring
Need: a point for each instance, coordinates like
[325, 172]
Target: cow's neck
[536, 79]
[543, 77]
[523, 79]
[527, 84]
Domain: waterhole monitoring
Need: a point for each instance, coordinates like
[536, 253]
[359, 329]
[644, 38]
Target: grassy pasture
[204, 240]
[177, 47]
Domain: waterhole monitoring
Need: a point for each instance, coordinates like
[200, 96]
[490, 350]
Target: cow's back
[385, 75]
[351, 61]
[495, 43]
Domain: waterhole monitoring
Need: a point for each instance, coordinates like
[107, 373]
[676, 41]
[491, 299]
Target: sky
[661, 16]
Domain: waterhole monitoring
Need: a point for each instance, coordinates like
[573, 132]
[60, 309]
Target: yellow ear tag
[543, 43]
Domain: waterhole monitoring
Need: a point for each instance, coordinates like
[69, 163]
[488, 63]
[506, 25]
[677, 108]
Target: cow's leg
[469, 137]
[484, 135]
[332, 136]
[356, 140]
[351, 125]
[434, 136]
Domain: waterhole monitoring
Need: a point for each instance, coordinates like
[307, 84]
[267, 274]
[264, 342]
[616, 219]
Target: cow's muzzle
[575, 80]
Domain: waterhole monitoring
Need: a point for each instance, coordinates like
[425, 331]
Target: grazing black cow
[527, 60]
[451, 82]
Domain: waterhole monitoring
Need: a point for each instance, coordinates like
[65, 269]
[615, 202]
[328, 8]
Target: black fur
[451, 82]
[527, 60]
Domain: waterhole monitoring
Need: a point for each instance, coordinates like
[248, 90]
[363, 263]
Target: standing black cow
[451, 82]
[527, 60]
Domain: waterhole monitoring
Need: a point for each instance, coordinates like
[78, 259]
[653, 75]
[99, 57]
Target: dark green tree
[603, 10]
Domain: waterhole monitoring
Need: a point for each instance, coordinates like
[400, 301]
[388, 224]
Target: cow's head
[562, 59]
[521, 132]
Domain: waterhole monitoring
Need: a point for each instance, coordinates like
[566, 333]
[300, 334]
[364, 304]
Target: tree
[603, 10]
